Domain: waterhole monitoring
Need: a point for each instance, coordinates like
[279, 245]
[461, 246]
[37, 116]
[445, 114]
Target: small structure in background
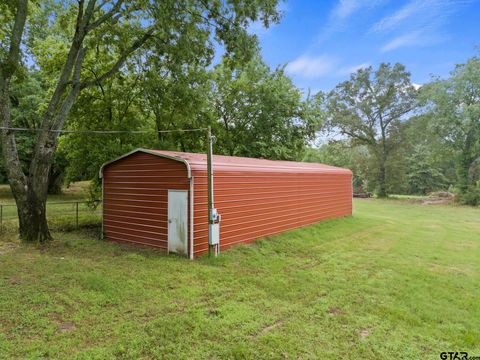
[160, 199]
[359, 192]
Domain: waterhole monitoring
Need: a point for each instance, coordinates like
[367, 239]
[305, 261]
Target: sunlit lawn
[62, 209]
[396, 280]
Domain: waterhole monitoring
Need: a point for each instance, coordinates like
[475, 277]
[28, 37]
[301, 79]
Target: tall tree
[343, 153]
[454, 104]
[369, 108]
[69, 34]
[177, 98]
[118, 104]
[423, 175]
[260, 112]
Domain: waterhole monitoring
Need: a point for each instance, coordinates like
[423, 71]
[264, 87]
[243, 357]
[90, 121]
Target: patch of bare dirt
[442, 194]
[7, 247]
[439, 198]
[65, 327]
[456, 270]
[269, 328]
[334, 311]
[364, 333]
[16, 280]
[436, 202]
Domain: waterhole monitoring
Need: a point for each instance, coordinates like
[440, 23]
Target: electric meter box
[214, 234]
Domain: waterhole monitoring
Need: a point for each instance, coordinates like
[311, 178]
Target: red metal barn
[159, 198]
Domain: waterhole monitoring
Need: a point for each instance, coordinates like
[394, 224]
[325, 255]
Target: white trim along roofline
[189, 172]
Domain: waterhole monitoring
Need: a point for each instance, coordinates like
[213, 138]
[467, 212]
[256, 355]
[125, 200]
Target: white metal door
[177, 221]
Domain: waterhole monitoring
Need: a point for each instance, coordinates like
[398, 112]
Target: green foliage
[82, 45]
[165, 85]
[420, 131]
[260, 112]
[471, 196]
[177, 97]
[455, 105]
[115, 105]
[369, 109]
[422, 175]
[343, 154]
[27, 97]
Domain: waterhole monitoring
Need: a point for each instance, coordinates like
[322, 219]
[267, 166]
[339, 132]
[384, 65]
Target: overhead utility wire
[100, 131]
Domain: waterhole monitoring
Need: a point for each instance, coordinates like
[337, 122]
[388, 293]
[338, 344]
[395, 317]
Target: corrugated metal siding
[135, 198]
[258, 204]
[255, 197]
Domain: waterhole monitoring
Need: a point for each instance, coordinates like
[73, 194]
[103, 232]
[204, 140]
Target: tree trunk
[30, 190]
[382, 171]
[382, 174]
[33, 226]
[463, 172]
[55, 180]
[465, 162]
[382, 187]
[31, 202]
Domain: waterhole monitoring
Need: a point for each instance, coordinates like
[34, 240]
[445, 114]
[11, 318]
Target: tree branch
[16, 176]
[121, 60]
[88, 14]
[64, 79]
[8, 68]
[109, 14]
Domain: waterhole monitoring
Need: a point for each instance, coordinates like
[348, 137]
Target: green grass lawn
[61, 209]
[396, 280]
[77, 191]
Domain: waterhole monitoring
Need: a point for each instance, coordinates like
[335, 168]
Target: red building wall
[135, 198]
[255, 197]
[258, 204]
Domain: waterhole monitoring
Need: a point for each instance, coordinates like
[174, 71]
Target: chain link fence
[65, 215]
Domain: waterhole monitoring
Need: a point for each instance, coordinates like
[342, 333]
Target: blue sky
[322, 41]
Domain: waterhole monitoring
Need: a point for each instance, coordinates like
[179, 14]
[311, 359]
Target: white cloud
[417, 23]
[416, 38]
[312, 66]
[352, 69]
[341, 12]
[407, 11]
[403, 40]
[418, 13]
[417, 86]
[346, 8]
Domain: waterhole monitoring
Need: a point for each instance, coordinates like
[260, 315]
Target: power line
[100, 131]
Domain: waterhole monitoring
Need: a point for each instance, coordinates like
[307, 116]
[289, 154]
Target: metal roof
[198, 162]
[235, 163]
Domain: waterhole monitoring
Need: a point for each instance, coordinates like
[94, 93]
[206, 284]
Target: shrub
[470, 197]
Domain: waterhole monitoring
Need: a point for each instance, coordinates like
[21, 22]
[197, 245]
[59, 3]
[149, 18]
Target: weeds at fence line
[61, 216]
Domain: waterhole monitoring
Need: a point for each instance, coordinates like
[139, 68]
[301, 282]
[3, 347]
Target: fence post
[76, 212]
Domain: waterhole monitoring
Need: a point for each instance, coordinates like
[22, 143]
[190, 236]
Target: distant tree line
[402, 140]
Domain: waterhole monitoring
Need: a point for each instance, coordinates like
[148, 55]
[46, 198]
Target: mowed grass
[62, 209]
[77, 191]
[396, 280]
